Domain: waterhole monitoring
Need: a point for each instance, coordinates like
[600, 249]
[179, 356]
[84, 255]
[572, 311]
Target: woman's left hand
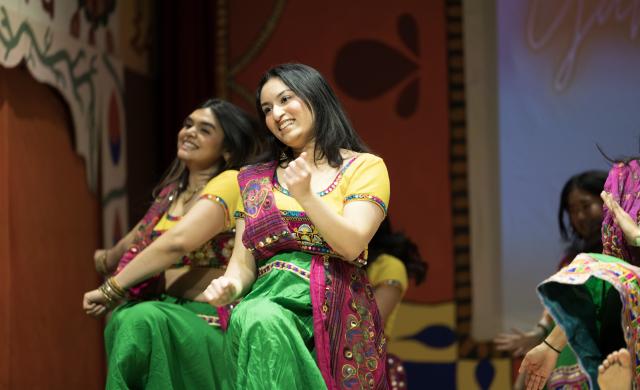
[297, 177]
[629, 227]
[94, 303]
[518, 342]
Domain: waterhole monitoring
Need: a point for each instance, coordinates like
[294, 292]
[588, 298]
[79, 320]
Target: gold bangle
[101, 266]
[106, 295]
[116, 287]
[104, 261]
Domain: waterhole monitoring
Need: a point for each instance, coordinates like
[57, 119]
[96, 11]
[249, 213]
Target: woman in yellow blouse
[308, 317]
[394, 259]
[164, 336]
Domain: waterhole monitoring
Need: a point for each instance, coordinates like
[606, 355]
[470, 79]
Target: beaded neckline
[173, 217]
[331, 187]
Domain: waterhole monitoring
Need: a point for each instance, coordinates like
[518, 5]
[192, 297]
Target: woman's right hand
[222, 291]
[537, 365]
[94, 303]
[629, 227]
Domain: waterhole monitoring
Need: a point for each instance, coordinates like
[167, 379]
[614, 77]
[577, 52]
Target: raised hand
[628, 225]
[221, 291]
[537, 365]
[297, 177]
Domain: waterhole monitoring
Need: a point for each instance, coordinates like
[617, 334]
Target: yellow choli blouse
[223, 190]
[361, 178]
[389, 270]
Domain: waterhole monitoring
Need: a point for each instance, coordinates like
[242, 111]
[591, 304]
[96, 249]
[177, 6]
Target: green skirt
[269, 343]
[169, 343]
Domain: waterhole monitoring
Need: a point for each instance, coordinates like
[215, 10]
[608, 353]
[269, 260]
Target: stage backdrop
[72, 47]
[568, 80]
[388, 64]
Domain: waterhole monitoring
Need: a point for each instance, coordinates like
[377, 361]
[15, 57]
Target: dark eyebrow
[277, 96]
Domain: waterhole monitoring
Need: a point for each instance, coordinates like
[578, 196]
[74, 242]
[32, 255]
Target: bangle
[107, 295]
[636, 241]
[112, 292]
[545, 330]
[101, 264]
[116, 287]
[551, 346]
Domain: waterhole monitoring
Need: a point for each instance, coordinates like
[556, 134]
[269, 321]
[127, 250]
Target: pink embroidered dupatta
[154, 285]
[623, 183]
[349, 340]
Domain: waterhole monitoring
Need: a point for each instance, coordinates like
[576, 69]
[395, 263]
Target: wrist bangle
[551, 346]
[545, 330]
[116, 287]
[636, 241]
[101, 264]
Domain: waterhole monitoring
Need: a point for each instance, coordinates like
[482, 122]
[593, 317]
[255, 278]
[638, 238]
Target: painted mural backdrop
[387, 62]
[568, 80]
[72, 46]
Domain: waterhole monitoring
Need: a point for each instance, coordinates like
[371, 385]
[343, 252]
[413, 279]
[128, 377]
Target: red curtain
[49, 227]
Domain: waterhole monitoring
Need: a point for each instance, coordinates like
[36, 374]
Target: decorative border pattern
[284, 266]
[92, 84]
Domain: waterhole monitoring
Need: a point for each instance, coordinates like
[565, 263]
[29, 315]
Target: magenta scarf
[348, 331]
[623, 183]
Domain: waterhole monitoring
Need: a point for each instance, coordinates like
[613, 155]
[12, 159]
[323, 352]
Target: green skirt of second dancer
[168, 343]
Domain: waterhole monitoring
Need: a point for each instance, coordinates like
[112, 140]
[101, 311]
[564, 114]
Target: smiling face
[201, 139]
[585, 213]
[286, 114]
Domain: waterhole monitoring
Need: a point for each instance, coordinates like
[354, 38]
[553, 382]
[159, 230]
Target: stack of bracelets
[112, 291]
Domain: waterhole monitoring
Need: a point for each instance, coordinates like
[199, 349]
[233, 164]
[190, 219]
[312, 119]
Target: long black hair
[397, 244]
[331, 126]
[591, 182]
[241, 142]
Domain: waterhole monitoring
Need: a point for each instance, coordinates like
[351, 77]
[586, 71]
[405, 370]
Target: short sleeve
[387, 269]
[239, 214]
[369, 181]
[223, 189]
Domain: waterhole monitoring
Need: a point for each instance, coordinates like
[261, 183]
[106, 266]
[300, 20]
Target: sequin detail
[221, 202]
[331, 187]
[210, 320]
[284, 266]
[366, 197]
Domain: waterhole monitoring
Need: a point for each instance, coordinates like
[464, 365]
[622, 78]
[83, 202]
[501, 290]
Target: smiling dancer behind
[165, 336]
